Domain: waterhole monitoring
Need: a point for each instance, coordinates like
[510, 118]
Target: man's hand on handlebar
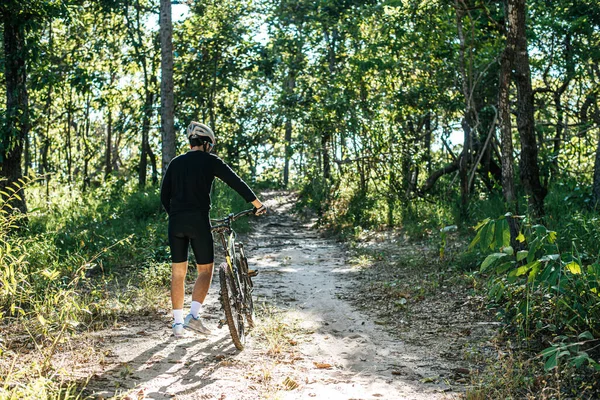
[259, 208]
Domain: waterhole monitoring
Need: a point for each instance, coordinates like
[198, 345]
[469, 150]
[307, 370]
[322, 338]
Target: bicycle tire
[231, 306]
[246, 287]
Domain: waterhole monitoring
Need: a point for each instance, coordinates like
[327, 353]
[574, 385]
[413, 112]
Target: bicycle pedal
[252, 273]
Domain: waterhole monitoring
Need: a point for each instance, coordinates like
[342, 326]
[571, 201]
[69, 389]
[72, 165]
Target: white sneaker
[195, 324]
[178, 331]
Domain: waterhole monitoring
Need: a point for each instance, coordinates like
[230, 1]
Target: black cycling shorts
[194, 229]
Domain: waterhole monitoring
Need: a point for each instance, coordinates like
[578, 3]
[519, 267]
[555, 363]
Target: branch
[447, 169]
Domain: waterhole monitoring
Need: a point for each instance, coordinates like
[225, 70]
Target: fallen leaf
[322, 365]
[397, 373]
[290, 384]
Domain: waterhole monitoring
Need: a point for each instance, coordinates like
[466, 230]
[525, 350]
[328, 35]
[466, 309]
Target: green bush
[543, 292]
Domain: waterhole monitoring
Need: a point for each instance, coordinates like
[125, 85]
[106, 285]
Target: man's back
[188, 181]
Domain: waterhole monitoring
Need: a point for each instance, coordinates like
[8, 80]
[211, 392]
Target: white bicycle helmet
[196, 129]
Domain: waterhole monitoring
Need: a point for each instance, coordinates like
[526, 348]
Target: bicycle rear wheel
[231, 301]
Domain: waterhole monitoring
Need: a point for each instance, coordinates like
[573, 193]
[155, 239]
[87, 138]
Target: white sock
[178, 316]
[195, 308]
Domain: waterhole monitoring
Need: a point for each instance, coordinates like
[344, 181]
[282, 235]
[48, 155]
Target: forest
[470, 126]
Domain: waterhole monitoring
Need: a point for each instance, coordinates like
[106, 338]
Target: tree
[16, 124]
[516, 45]
[166, 85]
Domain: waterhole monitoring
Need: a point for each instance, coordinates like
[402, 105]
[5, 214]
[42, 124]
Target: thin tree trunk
[68, 138]
[592, 102]
[467, 121]
[17, 106]
[153, 166]
[87, 155]
[288, 151]
[291, 84]
[108, 152]
[27, 152]
[167, 108]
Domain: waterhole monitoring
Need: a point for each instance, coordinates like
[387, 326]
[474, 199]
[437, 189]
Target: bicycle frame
[223, 229]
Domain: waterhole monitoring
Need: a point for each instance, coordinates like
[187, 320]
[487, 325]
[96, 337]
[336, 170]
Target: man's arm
[226, 174]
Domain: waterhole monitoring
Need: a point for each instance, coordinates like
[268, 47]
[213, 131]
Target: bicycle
[235, 280]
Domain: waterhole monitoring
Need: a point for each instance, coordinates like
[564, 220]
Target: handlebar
[226, 222]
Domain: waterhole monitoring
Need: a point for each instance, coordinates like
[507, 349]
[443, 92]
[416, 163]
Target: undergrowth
[77, 262]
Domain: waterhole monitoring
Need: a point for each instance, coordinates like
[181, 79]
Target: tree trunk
[68, 138]
[17, 106]
[291, 84]
[467, 121]
[167, 108]
[508, 173]
[508, 180]
[288, 151]
[108, 152]
[529, 169]
[592, 101]
[596, 183]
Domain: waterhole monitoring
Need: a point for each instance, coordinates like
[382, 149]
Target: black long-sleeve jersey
[187, 183]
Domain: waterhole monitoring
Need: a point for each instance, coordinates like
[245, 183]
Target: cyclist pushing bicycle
[185, 195]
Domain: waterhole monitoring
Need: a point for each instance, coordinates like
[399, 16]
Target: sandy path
[301, 277]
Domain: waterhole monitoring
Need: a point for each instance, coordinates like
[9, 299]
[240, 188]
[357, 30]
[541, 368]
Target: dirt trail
[304, 325]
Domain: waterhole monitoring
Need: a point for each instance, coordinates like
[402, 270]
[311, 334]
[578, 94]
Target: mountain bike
[235, 280]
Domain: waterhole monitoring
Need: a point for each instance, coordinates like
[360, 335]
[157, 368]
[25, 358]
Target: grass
[82, 261]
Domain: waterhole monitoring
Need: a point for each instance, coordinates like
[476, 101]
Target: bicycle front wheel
[246, 282]
[231, 301]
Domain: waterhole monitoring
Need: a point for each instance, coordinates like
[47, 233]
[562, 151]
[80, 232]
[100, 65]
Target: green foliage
[83, 261]
[541, 291]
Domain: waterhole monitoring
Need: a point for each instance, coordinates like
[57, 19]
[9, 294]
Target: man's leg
[192, 321]
[178, 272]
[205, 273]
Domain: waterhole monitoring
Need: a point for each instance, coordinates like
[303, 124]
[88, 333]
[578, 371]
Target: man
[185, 195]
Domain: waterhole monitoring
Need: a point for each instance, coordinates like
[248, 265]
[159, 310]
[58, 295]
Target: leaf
[585, 335]
[502, 268]
[489, 260]
[573, 268]
[520, 238]
[475, 240]
[322, 365]
[549, 257]
[522, 254]
[551, 362]
[488, 240]
[508, 250]
[500, 232]
[549, 350]
[534, 271]
[41, 319]
[481, 224]
[524, 269]
[552, 236]
[540, 229]
[482, 242]
[579, 360]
